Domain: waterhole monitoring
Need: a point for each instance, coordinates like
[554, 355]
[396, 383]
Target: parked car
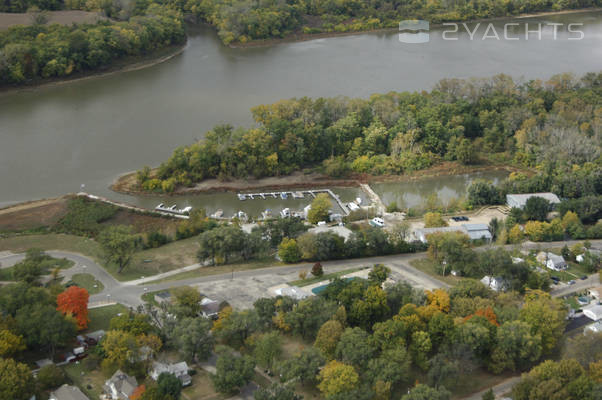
[584, 277]
[572, 282]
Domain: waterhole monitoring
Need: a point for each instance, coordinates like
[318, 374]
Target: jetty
[131, 207]
[299, 194]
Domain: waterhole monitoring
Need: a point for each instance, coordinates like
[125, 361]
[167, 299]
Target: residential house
[209, 308]
[593, 311]
[120, 386]
[179, 370]
[494, 283]
[552, 261]
[68, 392]
[520, 200]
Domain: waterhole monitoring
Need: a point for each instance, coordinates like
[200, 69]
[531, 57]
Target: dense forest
[48, 51]
[552, 127]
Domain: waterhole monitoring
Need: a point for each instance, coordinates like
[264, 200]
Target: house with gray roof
[179, 370]
[120, 386]
[552, 261]
[520, 200]
[68, 392]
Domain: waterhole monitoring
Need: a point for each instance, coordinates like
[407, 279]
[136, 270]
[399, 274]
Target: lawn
[326, 277]
[88, 282]
[221, 269]
[90, 382]
[49, 264]
[428, 267]
[100, 317]
[201, 388]
[53, 241]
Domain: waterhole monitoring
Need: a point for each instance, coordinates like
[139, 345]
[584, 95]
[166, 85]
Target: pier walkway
[295, 195]
[375, 199]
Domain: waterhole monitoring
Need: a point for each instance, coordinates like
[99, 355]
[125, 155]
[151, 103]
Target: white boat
[283, 195]
[286, 213]
[218, 214]
[266, 214]
[173, 209]
[298, 195]
[358, 201]
[352, 206]
[241, 215]
[241, 196]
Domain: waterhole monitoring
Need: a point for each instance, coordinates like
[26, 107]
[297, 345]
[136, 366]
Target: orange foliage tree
[138, 392]
[74, 301]
[487, 313]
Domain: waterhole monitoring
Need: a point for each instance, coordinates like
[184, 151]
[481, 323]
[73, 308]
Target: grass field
[88, 282]
[90, 382]
[221, 269]
[201, 388]
[428, 267]
[325, 277]
[101, 317]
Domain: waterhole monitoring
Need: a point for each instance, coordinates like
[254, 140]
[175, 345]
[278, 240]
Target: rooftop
[521, 199]
[67, 392]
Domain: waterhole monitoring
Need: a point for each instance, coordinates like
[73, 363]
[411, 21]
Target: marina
[296, 195]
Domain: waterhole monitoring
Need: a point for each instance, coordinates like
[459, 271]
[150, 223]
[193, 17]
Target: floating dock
[299, 194]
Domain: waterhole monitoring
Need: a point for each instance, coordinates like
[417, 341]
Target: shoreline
[140, 64]
[305, 37]
[123, 183]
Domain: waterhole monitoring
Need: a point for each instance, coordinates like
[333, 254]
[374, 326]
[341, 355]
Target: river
[56, 138]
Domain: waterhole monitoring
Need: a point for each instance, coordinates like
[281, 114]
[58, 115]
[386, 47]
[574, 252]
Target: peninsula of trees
[551, 130]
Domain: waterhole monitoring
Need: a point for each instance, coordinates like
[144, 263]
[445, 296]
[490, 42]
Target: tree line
[397, 133]
[245, 20]
[30, 53]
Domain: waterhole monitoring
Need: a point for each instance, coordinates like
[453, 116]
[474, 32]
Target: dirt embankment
[127, 183]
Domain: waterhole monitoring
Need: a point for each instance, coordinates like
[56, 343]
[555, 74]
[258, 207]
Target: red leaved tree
[74, 301]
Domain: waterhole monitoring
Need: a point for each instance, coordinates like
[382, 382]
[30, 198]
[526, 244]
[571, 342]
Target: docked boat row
[275, 195]
[173, 209]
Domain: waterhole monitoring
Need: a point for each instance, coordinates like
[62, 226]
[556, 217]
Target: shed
[520, 200]
[209, 308]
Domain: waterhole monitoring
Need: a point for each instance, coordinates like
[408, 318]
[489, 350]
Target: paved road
[499, 390]
[246, 286]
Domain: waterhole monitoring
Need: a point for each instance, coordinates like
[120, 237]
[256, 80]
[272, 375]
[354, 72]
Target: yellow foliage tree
[438, 298]
[336, 378]
[10, 343]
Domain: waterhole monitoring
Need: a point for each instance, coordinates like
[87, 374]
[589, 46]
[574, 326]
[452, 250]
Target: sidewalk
[161, 276]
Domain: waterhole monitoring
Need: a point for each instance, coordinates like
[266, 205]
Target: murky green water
[54, 139]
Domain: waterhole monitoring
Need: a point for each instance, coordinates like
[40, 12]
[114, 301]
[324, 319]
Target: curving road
[243, 287]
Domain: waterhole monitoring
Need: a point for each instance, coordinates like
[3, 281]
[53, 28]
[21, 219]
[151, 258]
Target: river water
[54, 139]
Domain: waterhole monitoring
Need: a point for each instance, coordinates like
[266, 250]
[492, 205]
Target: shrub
[317, 270]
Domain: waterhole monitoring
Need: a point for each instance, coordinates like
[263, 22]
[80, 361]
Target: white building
[596, 292]
[179, 370]
[494, 283]
[552, 261]
[209, 308]
[67, 392]
[293, 292]
[593, 311]
[473, 231]
[520, 200]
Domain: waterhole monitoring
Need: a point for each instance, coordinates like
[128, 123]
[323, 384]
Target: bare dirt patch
[33, 214]
[54, 17]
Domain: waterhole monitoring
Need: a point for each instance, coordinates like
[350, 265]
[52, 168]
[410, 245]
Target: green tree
[424, 392]
[43, 327]
[355, 347]
[319, 208]
[50, 377]
[516, 347]
[169, 385]
[187, 301]
[546, 316]
[328, 338]
[289, 251]
[16, 380]
[192, 338]
[420, 348]
[379, 274]
[488, 395]
[465, 152]
[305, 366]
[132, 322]
[536, 208]
[392, 366]
[119, 245]
[10, 343]
[268, 348]
[232, 372]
